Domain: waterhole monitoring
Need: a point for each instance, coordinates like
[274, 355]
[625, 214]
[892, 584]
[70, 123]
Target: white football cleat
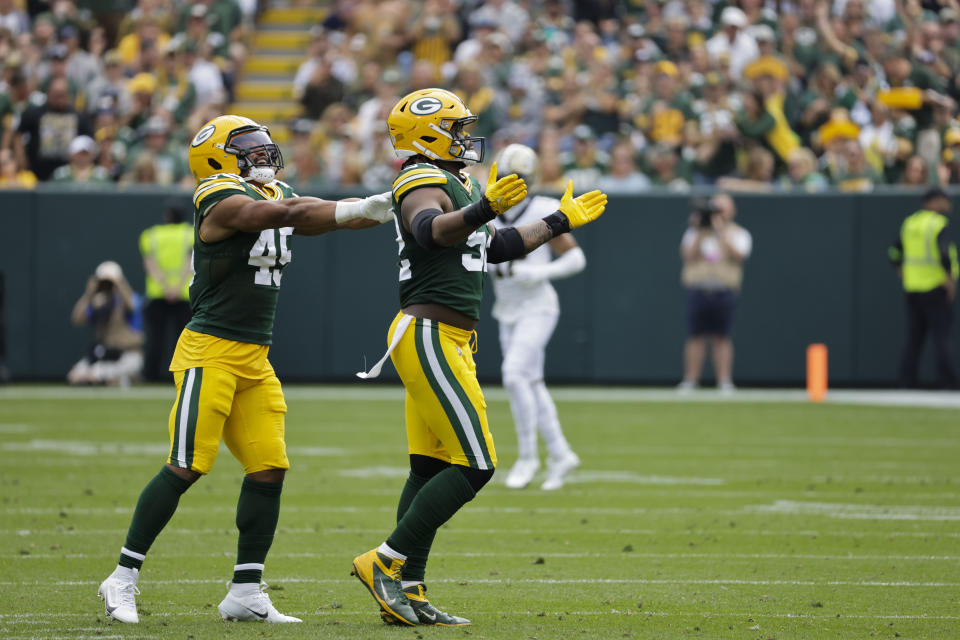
[557, 471]
[251, 606]
[119, 594]
[522, 473]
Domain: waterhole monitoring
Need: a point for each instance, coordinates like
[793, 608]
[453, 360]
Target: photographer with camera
[713, 250]
[112, 308]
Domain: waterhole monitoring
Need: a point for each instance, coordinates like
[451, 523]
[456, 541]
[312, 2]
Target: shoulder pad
[218, 183]
[285, 190]
[419, 175]
[223, 176]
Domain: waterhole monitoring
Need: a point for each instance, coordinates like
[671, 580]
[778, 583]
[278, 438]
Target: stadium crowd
[764, 96]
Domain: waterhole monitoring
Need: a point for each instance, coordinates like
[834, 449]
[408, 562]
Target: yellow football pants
[446, 414]
[248, 414]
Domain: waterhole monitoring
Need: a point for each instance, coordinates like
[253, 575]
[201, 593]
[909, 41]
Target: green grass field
[703, 519]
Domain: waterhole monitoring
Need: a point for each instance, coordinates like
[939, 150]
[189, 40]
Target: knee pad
[425, 466]
[476, 477]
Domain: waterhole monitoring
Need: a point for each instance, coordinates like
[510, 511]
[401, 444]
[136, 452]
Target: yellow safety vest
[922, 268]
[169, 245]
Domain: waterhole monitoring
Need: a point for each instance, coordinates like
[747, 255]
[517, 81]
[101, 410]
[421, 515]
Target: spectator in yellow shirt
[167, 249]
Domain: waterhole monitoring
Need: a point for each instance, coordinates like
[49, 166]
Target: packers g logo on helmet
[425, 106]
[233, 144]
[203, 135]
[430, 123]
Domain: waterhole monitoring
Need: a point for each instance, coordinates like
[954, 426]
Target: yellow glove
[506, 192]
[586, 208]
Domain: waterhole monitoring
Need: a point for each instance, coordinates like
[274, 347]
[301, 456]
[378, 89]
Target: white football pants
[524, 343]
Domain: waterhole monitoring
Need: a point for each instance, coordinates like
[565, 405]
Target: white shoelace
[127, 593]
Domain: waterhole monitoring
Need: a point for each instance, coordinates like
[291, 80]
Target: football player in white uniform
[527, 309]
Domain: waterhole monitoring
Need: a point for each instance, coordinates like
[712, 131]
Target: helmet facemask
[257, 154]
[463, 147]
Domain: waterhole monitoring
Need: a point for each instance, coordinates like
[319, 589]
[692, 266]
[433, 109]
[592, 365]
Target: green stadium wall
[818, 273]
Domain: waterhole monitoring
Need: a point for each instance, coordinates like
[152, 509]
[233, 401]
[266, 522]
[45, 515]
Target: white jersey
[516, 299]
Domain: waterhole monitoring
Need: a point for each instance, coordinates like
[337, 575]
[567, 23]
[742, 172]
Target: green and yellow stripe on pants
[184, 419]
[446, 413]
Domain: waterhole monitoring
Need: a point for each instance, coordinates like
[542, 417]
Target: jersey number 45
[265, 256]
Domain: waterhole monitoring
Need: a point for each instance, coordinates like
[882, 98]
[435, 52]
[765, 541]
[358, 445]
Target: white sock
[244, 588]
[390, 553]
[126, 574]
[409, 583]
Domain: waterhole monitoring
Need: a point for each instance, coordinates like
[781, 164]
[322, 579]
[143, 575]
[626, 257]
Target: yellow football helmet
[430, 123]
[234, 144]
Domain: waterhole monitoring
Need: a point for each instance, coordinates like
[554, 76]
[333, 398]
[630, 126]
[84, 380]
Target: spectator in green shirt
[81, 168]
[170, 166]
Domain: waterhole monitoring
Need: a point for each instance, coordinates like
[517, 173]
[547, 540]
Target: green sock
[157, 504]
[435, 503]
[415, 567]
[258, 511]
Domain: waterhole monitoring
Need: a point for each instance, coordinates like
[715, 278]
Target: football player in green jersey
[445, 245]
[226, 387]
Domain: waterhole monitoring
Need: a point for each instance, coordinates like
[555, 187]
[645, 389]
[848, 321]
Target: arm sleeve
[505, 245]
[422, 229]
[570, 262]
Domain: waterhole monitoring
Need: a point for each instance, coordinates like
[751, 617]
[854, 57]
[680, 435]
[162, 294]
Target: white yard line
[394, 393]
[859, 511]
[621, 555]
[86, 448]
[507, 581]
[586, 531]
[39, 617]
[391, 508]
[15, 428]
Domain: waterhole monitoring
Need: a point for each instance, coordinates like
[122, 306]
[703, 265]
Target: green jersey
[451, 276]
[236, 281]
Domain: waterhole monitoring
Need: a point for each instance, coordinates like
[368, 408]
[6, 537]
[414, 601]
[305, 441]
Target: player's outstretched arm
[428, 212]
[307, 216]
[512, 242]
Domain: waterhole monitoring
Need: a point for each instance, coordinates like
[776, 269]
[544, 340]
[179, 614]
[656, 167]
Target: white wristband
[347, 211]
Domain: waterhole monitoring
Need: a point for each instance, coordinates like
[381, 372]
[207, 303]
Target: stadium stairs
[265, 90]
